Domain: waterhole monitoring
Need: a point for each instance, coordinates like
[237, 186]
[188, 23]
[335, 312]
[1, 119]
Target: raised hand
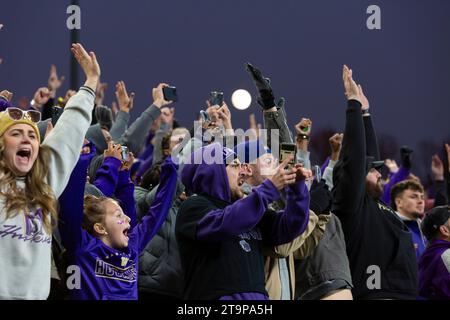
[86, 148]
[125, 101]
[69, 94]
[126, 165]
[282, 177]
[54, 82]
[336, 145]
[352, 91]
[89, 64]
[304, 127]
[437, 168]
[405, 154]
[391, 165]
[100, 93]
[5, 94]
[114, 150]
[302, 173]
[255, 128]
[158, 96]
[364, 100]
[225, 114]
[41, 97]
[266, 98]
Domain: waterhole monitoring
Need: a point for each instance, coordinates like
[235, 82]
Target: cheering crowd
[94, 207]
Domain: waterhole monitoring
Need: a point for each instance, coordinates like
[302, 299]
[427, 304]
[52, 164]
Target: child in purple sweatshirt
[104, 241]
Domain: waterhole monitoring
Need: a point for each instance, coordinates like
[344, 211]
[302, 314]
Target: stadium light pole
[74, 38]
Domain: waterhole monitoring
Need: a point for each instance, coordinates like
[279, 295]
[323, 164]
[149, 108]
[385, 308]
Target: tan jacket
[299, 248]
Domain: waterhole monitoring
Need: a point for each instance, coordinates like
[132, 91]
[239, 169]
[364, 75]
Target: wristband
[302, 137]
[366, 112]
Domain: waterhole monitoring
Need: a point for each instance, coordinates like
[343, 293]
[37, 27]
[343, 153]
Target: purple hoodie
[231, 232]
[434, 271]
[107, 273]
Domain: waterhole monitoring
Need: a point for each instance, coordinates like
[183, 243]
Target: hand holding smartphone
[170, 94]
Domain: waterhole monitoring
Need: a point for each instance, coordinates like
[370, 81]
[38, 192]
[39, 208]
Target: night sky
[201, 45]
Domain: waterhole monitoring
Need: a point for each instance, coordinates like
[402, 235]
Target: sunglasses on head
[17, 114]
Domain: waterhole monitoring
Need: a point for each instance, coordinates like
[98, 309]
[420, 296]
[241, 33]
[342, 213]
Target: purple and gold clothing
[107, 273]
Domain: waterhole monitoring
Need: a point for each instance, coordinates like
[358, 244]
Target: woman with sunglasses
[32, 177]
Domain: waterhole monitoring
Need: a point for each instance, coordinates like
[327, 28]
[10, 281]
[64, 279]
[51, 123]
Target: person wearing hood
[379, 245]
[221, 234]
[434, 265]
[279, 260]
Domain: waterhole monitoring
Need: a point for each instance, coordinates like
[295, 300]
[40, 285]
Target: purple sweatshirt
[397, 177]
[236, 230]
[4, 104]
[107, 273]
[434, 271]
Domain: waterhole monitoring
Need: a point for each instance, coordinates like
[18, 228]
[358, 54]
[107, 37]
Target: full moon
[241, 99]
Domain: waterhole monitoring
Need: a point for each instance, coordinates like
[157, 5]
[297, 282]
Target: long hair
[37, 193]
[94, 211]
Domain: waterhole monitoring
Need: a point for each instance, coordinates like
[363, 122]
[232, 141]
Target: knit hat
[6, 122]
[104, 116]
[249, 151]
[95, 135]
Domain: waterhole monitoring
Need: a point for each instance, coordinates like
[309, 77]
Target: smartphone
[286, 150]
[216, 98]
[125, 154]
[170, 94]
[56, 114]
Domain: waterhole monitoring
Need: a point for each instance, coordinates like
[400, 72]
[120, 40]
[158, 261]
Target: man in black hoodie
[379, 245]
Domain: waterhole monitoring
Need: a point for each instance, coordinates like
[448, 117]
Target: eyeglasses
[17, 114]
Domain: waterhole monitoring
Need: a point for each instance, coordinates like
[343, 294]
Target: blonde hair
[37, 193]
[94, 212]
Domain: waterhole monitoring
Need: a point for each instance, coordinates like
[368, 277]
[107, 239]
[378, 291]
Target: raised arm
[126, 103]
[160, 207]
[134, 137]
[303, 131]
[5, 98]
[274, 115]
[372, 149]
[66, 139]
[125, 191]
[336, 145]
[107, 175]
[437, 172]
[350, 172]
[71, 205]
[244, 214]
[286, 225]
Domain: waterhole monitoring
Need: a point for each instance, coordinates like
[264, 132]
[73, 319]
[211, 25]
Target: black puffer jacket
[160, 271]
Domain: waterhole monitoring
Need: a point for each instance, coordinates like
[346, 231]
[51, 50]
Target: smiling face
[21, 148]
[116, 225]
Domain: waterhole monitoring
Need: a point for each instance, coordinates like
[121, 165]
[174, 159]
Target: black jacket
[375, 236]
[160, 271]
